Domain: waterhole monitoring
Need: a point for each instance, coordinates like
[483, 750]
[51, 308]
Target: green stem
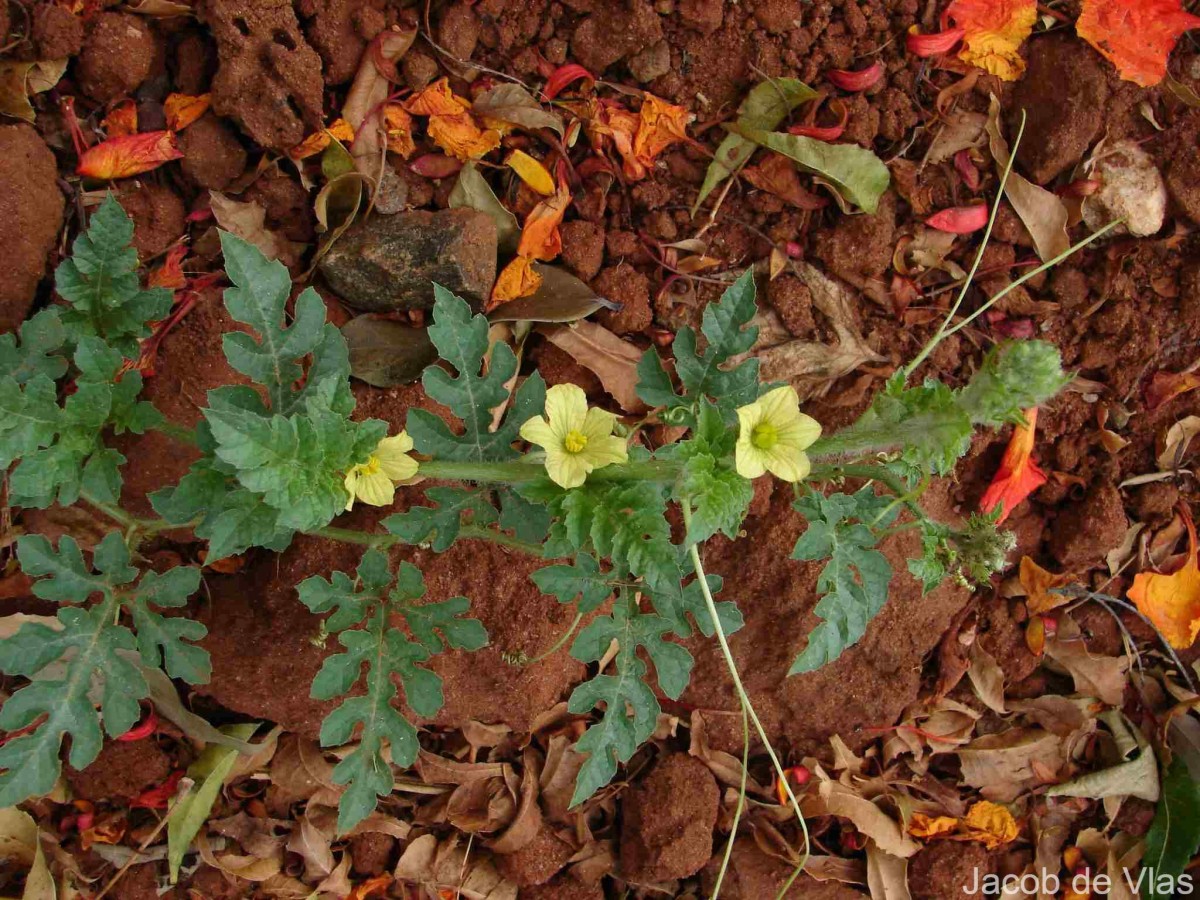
[557, 645]
[739, 688]
[467, 532]
[527, 470]
[132, 524]
[741, 804]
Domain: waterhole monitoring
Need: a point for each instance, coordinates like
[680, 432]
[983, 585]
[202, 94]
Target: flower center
[764, 436]
[575, 441]
[370, 467]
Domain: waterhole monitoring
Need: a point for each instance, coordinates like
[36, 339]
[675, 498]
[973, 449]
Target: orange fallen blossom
[985, 822]
[1018, 476]
[1172, 602]
[1136, 36]
[132, 154]
[993, 31]
[184, 109]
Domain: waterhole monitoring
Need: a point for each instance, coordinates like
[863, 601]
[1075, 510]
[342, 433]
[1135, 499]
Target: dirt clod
[117, 55]
[625, 285]
[538, 861]
[948, 869]
[57, 32]
[123, 769]
[669, 817]
[212, 154]
[1087, 530]
[158, 216]
[583, 248]
[614, 33]
[1063, 93]
[269, 78]
[371, 852]
[31, 210]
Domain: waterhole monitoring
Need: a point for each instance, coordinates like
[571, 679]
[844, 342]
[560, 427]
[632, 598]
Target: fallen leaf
[1165, 386]
[1018, 476]
[1135, 777]
[857, 175]
[170, 274]
[887, 875]
[248, 221]
[1136, 36]
[765, 106]
[613, 360]
[20, 80]
[1102, 677]
[527, 822]
[183, 109]
[993, 31]
[512, 104]
[1005, 764]
[122, 120]
[531, 171]
[317, 141]
[1178, 439]
[1038, 583]
[960, 130]
[130, 155]
[560, 297]
[161, 9]
[926, 827]
[837, 799]
[1043, 213]
[370, 887]
[1172, 602]
[517, 279]
[540, 237]
[987, 678]
[385, 353]
[1174, 835]
[473, 192]
[777, 175]
[20, 844]
[990, 824]
[314, 847]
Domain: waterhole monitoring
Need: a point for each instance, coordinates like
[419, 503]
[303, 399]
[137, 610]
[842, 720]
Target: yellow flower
[576, 439]
[373, 481]
[773, 436]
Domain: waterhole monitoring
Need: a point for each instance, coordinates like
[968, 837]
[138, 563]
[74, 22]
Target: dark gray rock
[389, 263]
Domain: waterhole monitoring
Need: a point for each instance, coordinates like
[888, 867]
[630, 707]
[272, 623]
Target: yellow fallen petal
[532, 172]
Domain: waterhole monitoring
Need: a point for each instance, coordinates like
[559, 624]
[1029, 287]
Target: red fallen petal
[158, 797]
[131, 155]
[823, 132]
[1165, 386]
[170, 274]
[857, 81]
[1084, 187]
[85, 820]
[799, 776]
[966, 168]
[960, 219]
[595, 165]
[435, 165]
[1018, 475]
[926, 45]
[793, 249]
[564, 76]
[1017, 329]
[143, 729]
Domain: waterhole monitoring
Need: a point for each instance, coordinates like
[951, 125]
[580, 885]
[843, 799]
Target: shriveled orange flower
[130, 155]
[925, 827]
[993, 31]
[184, 109]
[620, 125]
[436, 100]
[399, 125]
[660, 125]
[987, 823]
[1136, 36]
[1172, 602]
[170, 274]
[518, 279]
[540, 238]
[122, 120]
[317, 142]
[1019, 476]
[461, 138]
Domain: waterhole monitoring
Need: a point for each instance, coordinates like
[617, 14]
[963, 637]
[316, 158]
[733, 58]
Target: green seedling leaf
[99, 281]
[858, 175]
[1174, 835]
[720, 496]
[41, 337]
[763, 109]
[854, 582]
[462, 340]
[361, 612]
[582, 581]
[439, 525]
[189, 813]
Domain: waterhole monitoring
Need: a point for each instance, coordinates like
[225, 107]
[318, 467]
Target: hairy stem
[530, 469]
[181, 433]
[469, 532]
[743, 697]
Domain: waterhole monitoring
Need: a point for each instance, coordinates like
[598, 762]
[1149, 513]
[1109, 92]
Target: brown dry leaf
[480, 806]
[987, 678]
[1038, 583]
[940, 728]
[258, 837]
[1064, 716]
[366, 97]
[1102, 677]
[435, 769]
[252, 868]
[338, 881]
[527, 822]
[19, 80]
[1044, 214]
[284, 887]
[1136, 777]
[845, 759]
[613, 360]
[961, 130]
[557, 779]
[1175, 445]
[1006, 764]
[481, 736]
[453, 866]
[812, 367]
[313, 845]
[725, 766]
[837, 799]
[248, 221]
[298, 770]
[887, 875]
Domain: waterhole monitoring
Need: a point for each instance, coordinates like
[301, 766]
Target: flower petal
[604, 451]
[800, 432]
[351, 484]
[748, 459]
[376, 489]
[538, 431]
[787, 463]
[598, 424]
[566, 408]
[779, 405]
[567, 470]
